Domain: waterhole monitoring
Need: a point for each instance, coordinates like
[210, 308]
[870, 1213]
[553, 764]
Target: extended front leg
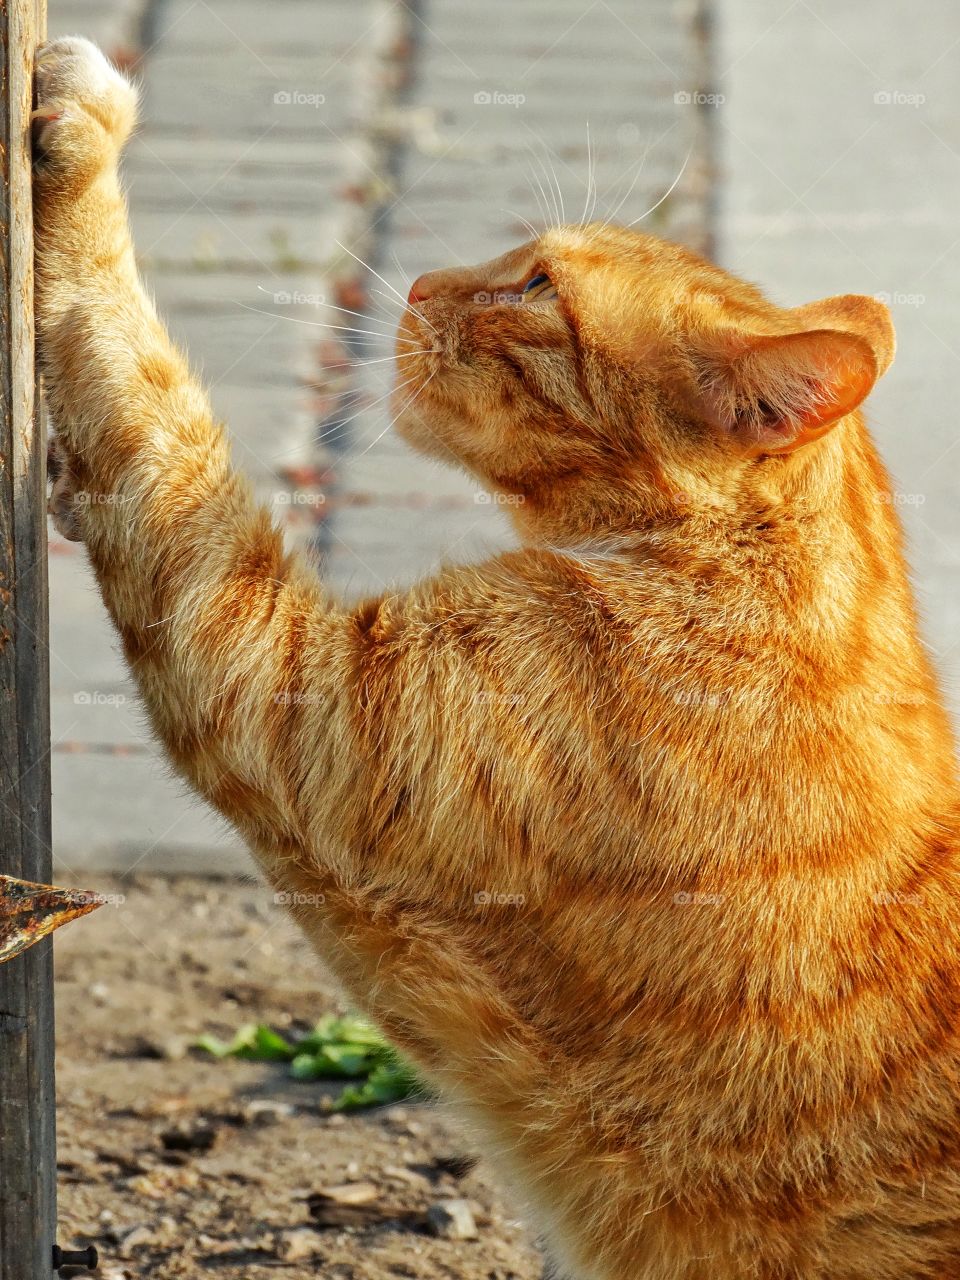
[327, 735]
[221, 626]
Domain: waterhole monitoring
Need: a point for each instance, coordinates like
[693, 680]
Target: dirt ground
[179, 1166]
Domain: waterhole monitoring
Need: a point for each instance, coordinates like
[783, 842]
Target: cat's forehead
[577, 253]
[581, 248]
[597, 244]
[623, 276]
[639, 277]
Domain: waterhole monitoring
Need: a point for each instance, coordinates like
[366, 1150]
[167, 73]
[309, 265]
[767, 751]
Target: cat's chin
[413, 429]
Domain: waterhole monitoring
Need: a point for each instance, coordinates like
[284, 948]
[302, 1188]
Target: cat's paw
[85, 112]
[63, 504]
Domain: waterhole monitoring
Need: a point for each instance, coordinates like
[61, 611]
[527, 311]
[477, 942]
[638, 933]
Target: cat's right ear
[864, 317]
[772, 393]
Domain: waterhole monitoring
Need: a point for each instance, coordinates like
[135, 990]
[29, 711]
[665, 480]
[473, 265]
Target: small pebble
[264, 1111]
[133, 1240]
[452, 1220]
[351, 1192]
[296, 1246]
[174, 1048]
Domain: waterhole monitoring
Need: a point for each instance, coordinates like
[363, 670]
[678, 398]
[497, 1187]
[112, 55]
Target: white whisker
[548, 218]
[403, 274]
[544, 215]
[665, 195]
[520, 218]
[367, 267]
[367, 341]
[545, 161]
[590, 180]
[556, 182]
[596, 188]
[642, 164]
[403, 355]
[365, 408]
[362, 315]
[314, 324]
[406, 405]
[407, 307]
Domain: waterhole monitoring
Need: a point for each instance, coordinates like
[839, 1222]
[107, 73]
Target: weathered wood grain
[27, 1116]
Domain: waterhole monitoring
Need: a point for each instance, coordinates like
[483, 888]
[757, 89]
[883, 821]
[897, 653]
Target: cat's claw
[86, 109]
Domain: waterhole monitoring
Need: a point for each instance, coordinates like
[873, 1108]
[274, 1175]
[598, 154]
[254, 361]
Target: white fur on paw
[76, 64]
[73, 70]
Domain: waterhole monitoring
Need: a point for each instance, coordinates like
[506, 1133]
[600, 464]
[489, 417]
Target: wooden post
[27, 1116]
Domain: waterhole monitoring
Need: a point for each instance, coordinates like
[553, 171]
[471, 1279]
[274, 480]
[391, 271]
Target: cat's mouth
[418, 353]
[416, 332]
[415, 361]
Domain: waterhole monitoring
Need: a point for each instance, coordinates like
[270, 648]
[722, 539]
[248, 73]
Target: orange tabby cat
[641, 840]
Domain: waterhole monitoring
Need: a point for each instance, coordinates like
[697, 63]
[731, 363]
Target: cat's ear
[774, 393]
[866, 318]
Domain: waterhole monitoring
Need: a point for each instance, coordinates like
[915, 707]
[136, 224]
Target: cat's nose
[423, 287]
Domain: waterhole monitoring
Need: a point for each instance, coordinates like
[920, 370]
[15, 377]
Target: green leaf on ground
[337, 1048]
[390, 1081]
[253, 1042]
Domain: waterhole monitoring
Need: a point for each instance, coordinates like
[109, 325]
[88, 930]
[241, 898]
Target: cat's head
[602, 378]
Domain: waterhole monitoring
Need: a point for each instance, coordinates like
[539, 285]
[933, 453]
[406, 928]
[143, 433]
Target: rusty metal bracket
[28, 912]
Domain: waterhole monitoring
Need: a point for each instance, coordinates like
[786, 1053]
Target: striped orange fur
[642, 840]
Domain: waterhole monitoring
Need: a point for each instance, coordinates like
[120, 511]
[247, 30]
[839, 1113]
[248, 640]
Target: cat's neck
[813, 539]
[835, 490]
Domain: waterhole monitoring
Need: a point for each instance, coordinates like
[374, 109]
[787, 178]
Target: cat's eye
[539, 288]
